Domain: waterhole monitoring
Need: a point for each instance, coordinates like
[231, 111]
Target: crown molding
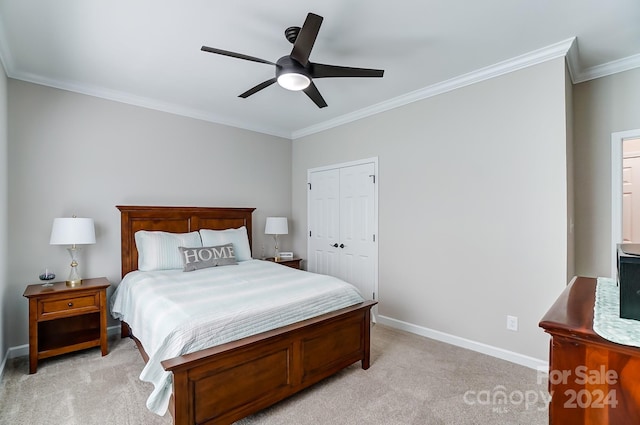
[609, 68]
[572, 59]
[526, 60]
[145, 102]
[567, 48]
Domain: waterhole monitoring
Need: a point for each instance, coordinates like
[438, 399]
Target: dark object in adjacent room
[629, 280]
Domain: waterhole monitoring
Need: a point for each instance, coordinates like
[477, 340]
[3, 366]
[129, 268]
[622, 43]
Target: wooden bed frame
[225, 383]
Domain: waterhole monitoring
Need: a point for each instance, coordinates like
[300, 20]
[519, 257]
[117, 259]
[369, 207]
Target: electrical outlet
[512, 323]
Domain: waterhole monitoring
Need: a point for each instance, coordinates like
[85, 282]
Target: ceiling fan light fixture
[294, 71]
[294, 81]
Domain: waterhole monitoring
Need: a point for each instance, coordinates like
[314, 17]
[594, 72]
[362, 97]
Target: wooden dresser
[591, 380]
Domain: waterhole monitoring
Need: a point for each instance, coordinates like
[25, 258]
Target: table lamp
[73, 231]
[276, 226]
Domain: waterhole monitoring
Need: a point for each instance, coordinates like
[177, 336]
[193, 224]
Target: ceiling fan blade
[314, 94]
[235, 55]
[257, 88]
[319, 70]
[306, 38]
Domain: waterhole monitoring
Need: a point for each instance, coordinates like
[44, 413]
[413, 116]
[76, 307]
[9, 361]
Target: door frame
[617, 140]
[376, 171]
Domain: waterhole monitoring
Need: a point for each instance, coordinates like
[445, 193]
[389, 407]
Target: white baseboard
[113, 330]
[23, 350]
[489, 350]
[18, 351]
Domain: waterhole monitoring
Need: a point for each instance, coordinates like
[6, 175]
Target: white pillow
[238, 237]
[159, 250]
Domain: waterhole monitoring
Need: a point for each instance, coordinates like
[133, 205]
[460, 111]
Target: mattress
[173, 312]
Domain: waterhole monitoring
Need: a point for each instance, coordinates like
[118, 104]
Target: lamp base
[74, 278]
[276, 254]
[74, 283]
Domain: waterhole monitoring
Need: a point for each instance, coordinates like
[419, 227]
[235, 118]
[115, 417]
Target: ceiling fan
[295, 71]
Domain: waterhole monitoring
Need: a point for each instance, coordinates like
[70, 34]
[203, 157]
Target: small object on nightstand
[47, 276]
[289, 262]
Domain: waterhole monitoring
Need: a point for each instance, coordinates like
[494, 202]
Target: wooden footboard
[223, 384]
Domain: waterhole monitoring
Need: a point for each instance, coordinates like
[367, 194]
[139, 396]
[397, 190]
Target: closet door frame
[376, 177]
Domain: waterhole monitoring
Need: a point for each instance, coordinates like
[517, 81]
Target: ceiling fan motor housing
[287, 65]
[299, 76]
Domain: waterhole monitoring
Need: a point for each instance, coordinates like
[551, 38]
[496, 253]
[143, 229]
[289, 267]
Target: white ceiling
[147, 52]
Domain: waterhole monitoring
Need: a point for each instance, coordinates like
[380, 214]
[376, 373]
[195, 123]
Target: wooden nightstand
[289, 262]
[64, 319]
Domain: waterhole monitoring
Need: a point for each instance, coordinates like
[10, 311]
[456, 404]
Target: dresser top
[61, 287]
[572, 315]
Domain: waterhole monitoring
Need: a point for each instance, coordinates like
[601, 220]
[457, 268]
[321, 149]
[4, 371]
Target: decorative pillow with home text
[208, 256]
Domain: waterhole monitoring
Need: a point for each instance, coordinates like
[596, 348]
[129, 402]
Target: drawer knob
[70, 304]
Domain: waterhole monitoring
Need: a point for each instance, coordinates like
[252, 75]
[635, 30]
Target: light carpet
[412, 380]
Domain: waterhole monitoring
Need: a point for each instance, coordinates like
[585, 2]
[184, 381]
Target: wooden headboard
[174, 220]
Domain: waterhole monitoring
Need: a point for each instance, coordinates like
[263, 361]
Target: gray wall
[472, 205]
[76, 154]
[4, 220]
[602, 106]
[491, 152]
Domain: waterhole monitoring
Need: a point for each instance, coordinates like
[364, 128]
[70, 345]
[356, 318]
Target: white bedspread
[173, 312]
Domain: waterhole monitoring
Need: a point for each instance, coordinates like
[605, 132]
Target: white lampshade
[73, 231]
[276, 226]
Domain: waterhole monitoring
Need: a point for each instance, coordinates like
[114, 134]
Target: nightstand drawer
[69, 305]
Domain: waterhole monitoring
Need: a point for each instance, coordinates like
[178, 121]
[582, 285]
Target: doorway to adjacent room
[625, 190]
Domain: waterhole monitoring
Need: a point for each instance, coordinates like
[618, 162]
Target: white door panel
[324, 220]
[325, 263]
[359, 271]
[357, 192]
[342, 225]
